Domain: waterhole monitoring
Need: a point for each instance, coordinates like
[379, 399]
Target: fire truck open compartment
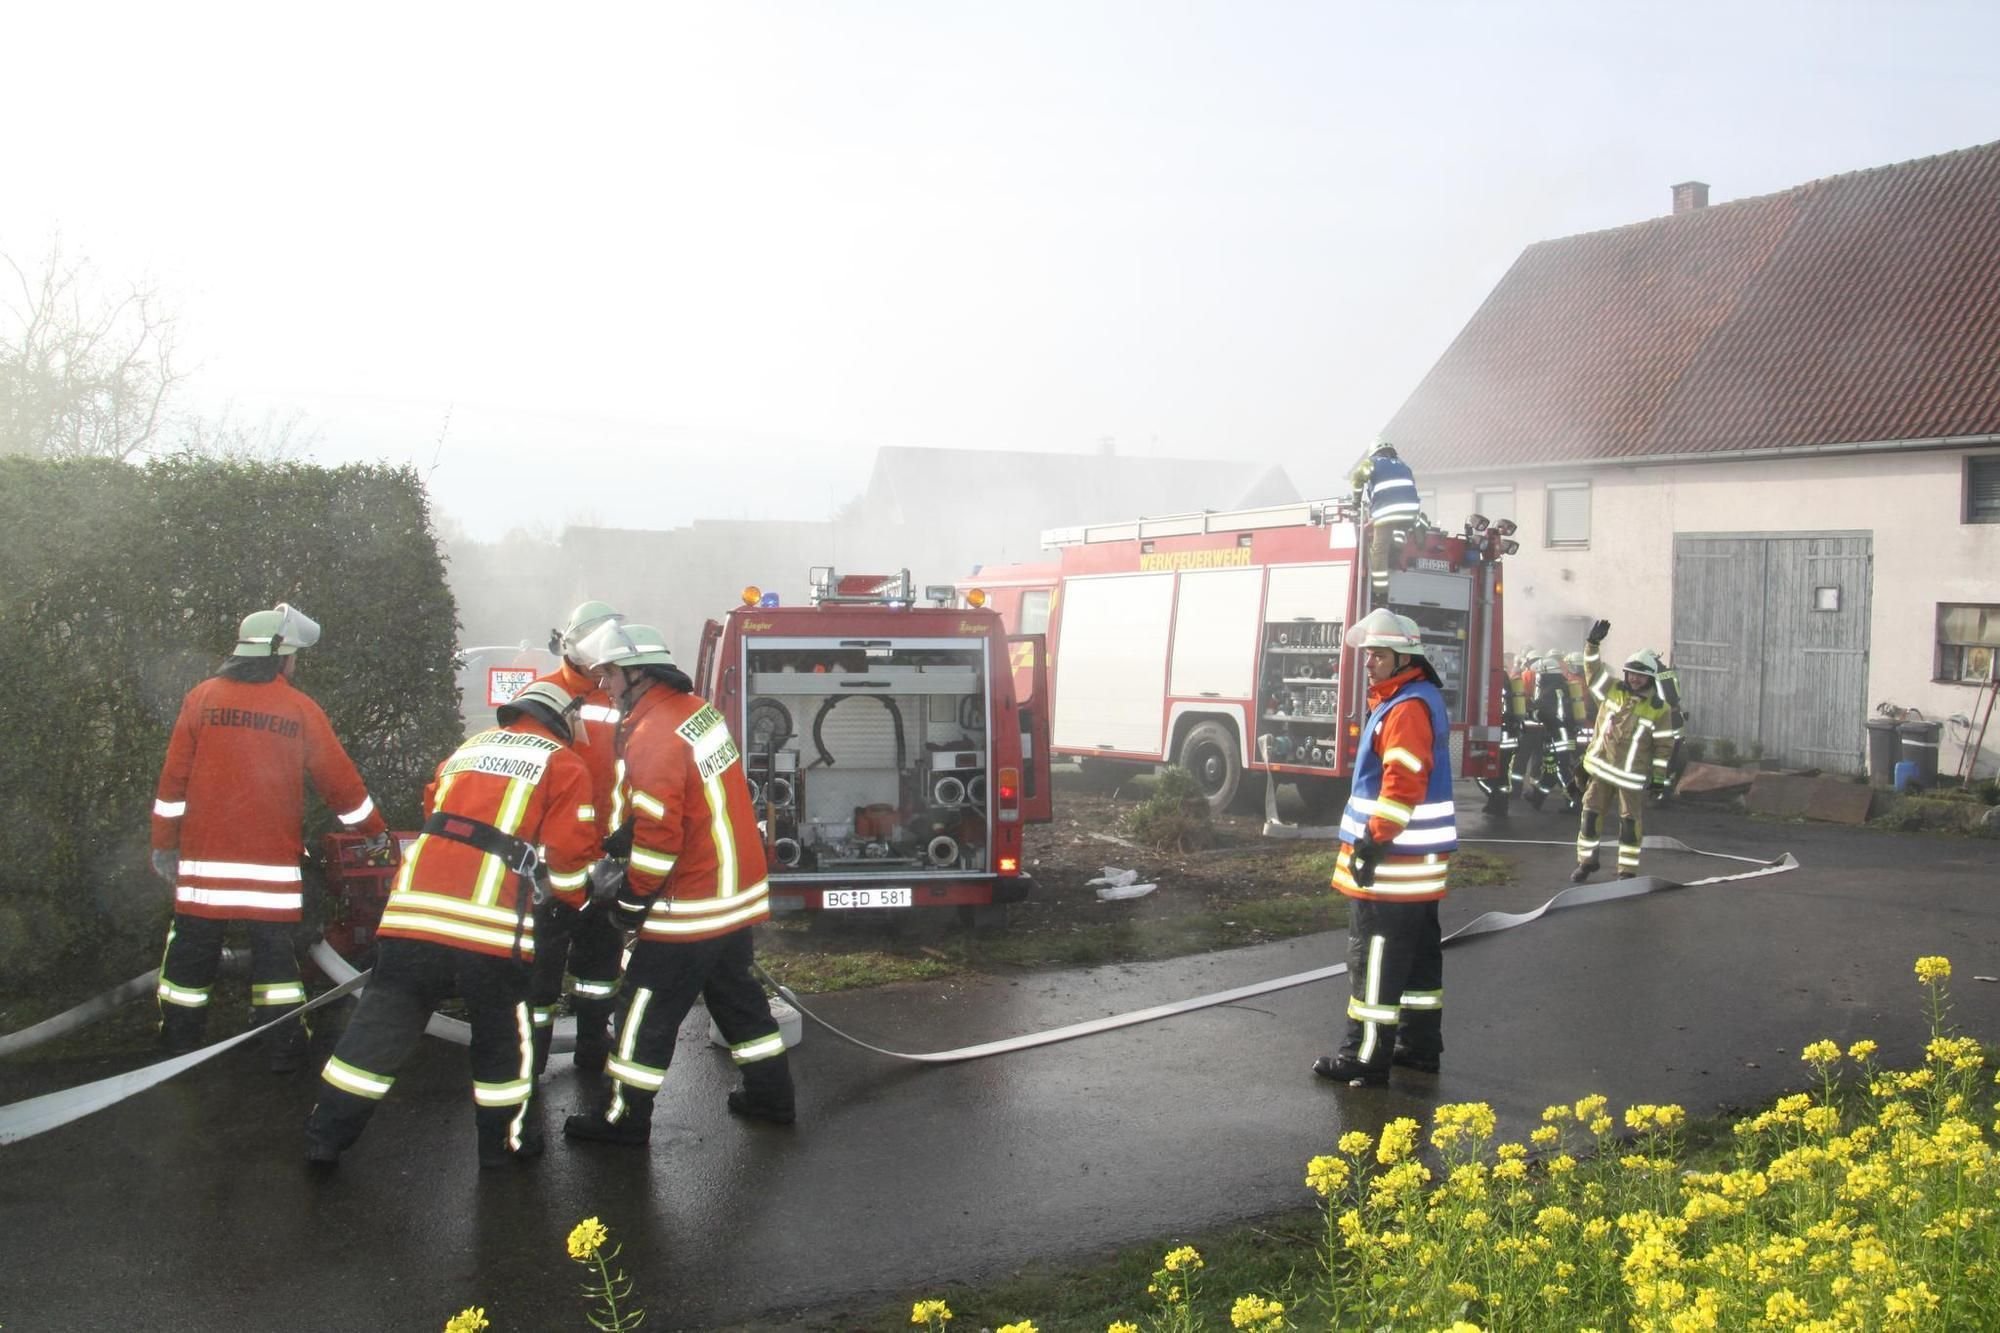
[870, 755]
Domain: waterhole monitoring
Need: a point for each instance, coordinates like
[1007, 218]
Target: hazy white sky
[703, 259]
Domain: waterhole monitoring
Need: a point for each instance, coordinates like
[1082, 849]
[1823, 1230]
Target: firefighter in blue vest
[1627, 752]
[1396, 839]
[1390, 490]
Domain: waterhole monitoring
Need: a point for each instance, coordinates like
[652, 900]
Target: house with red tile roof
[1761, 436]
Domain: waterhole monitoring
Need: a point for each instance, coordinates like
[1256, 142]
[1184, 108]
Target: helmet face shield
[588, 616]
[618, 643]
[284, 630]
[1383, 628]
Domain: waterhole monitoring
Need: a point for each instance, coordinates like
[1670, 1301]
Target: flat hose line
[1487, 923]
[35, 1115]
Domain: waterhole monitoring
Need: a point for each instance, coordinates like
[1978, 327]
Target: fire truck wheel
[1209, 752]
[1321, 797]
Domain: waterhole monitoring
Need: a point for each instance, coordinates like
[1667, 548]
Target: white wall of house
[1911, 503]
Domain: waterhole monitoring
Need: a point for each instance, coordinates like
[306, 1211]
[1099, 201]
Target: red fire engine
[1213, 640]
[893, 756]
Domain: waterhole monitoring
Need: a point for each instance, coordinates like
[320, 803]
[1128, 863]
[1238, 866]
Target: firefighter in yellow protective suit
[1626, 752]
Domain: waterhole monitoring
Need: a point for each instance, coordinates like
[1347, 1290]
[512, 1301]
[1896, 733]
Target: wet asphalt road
[186, 1208]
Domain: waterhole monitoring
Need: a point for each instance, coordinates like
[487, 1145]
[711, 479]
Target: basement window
[1968, 639]
[1568, 514]
[1982, 489]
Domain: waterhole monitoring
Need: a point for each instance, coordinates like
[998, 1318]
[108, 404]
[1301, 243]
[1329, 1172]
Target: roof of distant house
[1860, 309]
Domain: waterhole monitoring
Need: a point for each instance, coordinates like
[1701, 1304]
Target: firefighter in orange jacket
[509, 808]
[226, 828]
[693, 888]
[589, 944]
[1396, 839]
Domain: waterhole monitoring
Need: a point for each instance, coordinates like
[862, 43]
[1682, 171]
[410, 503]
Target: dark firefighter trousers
[1383, 539]
[1540, 743]
[193, 958]
[1395, 967]
[660, 987]
[412, 977]
[590, 947]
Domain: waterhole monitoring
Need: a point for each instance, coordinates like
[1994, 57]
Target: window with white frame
[1428, 502]
[1035, 611]
[1968, 639]
[1495, 503]
[1982, 488]
[1568, 514]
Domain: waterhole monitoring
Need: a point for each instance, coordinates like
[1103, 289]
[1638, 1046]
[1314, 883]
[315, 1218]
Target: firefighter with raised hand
[1396, 839]
[508, 810]
[588, 945]
[693, 888]
[1389, 490]
[227, 819]
[1625, 752]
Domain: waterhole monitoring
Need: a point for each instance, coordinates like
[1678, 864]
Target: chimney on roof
[1690, 195]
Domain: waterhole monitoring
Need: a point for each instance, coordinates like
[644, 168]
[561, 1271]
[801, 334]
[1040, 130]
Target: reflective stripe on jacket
[696, 849]
[1402, 793]
[1392, 492]
[231, 797]
[522, 780]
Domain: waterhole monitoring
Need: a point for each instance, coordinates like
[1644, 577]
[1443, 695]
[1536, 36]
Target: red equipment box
[357, 890]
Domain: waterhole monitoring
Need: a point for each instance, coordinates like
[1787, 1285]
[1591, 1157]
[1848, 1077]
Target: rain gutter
[1730, 455]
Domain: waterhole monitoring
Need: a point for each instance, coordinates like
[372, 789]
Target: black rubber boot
[1536, 795]
[633, 1127]
[766, 1093]
[494, 1152]
[328, 1136]
[1496, 803]
[1341, 1069]
[1408, 1059]
[181, 1028]
[287, 1043]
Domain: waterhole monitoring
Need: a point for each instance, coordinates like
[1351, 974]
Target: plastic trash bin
[1920, 747]
[1884, 749]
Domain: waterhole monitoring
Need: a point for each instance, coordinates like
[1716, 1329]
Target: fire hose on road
[35, 1115]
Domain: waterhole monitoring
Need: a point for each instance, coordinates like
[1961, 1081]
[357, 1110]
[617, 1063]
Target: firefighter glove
[1361, 862]
[376, 850]
[1600, 631]
[607, 880]
[167, 864]
[632, 910]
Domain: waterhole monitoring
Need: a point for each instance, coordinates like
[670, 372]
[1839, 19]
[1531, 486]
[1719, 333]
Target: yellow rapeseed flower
[1545, 1137]
[1933, 969]
[1255, 1313]
[1327, 1176]
[1183, 1257]
[1121, 1326]
[1356, 1142]
[1861, 1050]
[1821, 1053]
[1601, 1126]
[923, 1312]
[1399, 1140]
[1587, 1107]
[586, 1238]
[1551, 1114]
[1025, 1326]
[469, 1320]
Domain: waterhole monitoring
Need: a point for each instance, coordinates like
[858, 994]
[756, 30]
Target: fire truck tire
[1209, 752]
[1322, 798]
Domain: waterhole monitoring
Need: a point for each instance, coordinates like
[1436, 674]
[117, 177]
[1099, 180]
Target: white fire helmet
[1383, 628]
[623, 644]
[282, 630]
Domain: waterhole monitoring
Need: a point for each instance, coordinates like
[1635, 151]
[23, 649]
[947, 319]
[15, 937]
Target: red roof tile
[1860, 308]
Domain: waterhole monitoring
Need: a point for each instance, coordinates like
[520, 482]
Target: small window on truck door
[1035, 612]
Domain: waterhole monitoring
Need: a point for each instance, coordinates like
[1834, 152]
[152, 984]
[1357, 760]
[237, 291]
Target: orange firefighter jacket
[696, 849]
[231, 797]
[522, 780]
[1407, 746]
[596, 723]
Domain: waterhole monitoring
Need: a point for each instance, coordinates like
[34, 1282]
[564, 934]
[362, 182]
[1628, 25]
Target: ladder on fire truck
[1298, 514]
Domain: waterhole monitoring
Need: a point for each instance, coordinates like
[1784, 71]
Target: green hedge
[120, 588]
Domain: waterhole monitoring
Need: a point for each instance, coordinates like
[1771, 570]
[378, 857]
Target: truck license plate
[865, 898]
